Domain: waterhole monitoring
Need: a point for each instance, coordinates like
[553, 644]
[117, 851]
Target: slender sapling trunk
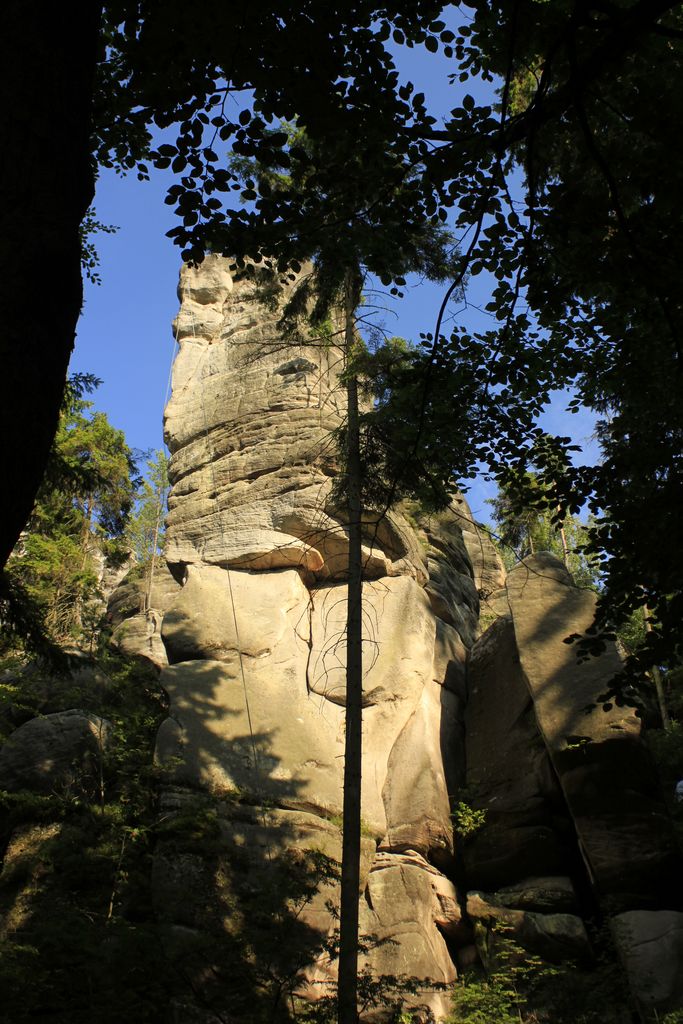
[347, 999]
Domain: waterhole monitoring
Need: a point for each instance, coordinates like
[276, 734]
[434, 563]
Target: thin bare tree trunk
[86, 536]
[657, 679]
[350, 877]
[153, 562]
[565, 546]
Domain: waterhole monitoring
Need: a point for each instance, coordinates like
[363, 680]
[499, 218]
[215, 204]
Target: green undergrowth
[78, 942]
[520, 988]
[118, 907]
[115, 909]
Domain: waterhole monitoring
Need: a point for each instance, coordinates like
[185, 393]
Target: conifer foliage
[76, 529]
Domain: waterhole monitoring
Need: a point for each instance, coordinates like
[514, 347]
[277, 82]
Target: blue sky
[124, 336]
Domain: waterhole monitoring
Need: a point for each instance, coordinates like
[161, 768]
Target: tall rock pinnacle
[255, 638]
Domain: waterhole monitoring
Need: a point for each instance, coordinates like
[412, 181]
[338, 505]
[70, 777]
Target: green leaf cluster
[80, 943]
[518, 987]
[90, 259]
[587, 257]
[467, 820]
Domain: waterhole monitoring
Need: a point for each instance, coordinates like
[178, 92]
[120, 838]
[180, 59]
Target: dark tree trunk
[48, 53]
[350, 880]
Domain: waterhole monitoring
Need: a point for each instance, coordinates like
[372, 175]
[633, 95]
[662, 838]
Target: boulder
[31, 688]
[416, 791]
[546, 609]
[451, 588]
[59, 753]
[250, 842]
[130, 596]
[487, 566]
[244, 429]
[259, 709]
[24, 850]
[399, 633]
[543, 895]
[555, 937]
[450, 662]
[259, 734]
[256, 637]
[140, 637]
[502, 853]
[453, 598]
[650, 943]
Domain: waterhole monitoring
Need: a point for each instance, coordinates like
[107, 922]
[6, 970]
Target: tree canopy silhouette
[566, 191]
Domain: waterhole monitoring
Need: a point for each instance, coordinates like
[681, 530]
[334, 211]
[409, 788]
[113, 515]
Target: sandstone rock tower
[252, 654]
[255, 638]
[482, 718]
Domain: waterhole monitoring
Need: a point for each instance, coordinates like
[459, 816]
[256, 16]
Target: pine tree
[79, 517]
[526, 522]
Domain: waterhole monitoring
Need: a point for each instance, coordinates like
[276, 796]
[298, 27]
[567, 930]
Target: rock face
[255, 646]
[509, 772]
[255, 637]
[476, 711]
[568, 789]
[597, 752]
[651, 944]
